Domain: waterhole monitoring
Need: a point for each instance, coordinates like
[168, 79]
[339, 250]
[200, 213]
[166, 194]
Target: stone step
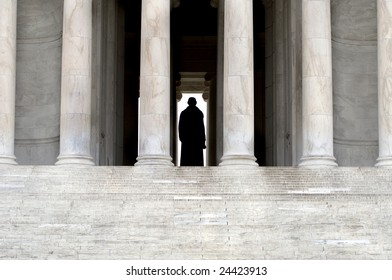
[194, 213]
[167, 180]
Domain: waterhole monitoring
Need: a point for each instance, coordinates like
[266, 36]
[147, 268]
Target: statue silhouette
[192, 135]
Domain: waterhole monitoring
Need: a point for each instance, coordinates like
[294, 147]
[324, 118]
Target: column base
[238, 160]
[318, 162]
[75, 160]
[154, 160]
[8, 160]
[384, 162]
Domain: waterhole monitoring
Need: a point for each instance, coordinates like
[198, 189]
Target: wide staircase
[50, 212]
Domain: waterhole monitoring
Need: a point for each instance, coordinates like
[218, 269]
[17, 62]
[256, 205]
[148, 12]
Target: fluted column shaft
[384, 19]
[75, 126]
[238, 84]
[154, 138]
[7, 80]
[317, 106]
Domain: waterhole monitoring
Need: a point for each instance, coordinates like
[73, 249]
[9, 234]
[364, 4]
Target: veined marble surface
[154, 139]
[238, 85]
[317, 114]
[75, 128]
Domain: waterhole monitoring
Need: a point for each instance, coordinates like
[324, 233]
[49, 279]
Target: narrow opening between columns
[194, 47]
[260, 85]
[131, 41]
[182, 105]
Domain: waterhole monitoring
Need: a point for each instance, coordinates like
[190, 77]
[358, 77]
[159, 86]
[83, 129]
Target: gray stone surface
[354, 49]
[38, 78]
[52, 212]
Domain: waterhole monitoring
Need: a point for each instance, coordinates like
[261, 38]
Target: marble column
[210, 82]
[7, 80]
[219, 83]
[75, 122]
[384, 28]
[317, 114]
[238, 103]
[154, 138]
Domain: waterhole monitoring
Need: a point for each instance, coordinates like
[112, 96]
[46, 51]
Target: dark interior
[194, 27]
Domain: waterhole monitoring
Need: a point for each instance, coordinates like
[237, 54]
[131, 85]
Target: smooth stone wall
[354, 50]
[38, 81]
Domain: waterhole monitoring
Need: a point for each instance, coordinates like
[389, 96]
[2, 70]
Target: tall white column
[75, 126]
[154, 138]
[317, 115]
[238, 104]
[7, 80]
[384, 18]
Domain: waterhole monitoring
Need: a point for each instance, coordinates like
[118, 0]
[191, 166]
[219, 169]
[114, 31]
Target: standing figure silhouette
[192, 135]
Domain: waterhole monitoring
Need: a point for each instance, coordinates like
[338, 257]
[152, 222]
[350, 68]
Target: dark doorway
[194, 26]
[132, 29]
[194, 36]
[259, 80]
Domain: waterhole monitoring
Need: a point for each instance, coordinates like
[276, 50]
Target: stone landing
[56, 212]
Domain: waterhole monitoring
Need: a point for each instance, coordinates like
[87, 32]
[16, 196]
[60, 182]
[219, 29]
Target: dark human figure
[192, 135]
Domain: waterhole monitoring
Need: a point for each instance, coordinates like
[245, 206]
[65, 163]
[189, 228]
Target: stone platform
[50, 212]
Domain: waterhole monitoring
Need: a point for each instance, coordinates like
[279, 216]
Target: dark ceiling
[194, 27]
[194, 18]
